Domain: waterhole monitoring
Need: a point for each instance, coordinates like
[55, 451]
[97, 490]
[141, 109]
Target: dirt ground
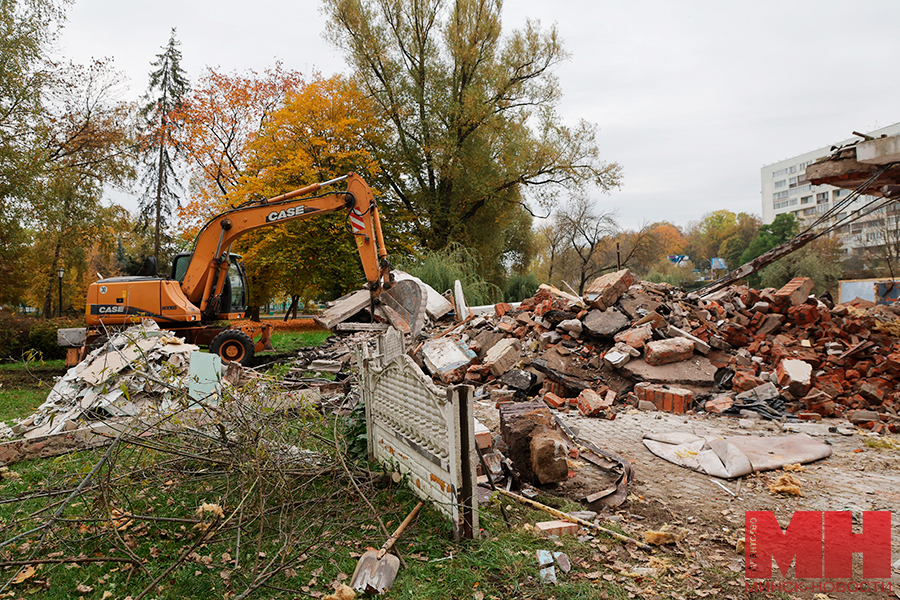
[855, 478]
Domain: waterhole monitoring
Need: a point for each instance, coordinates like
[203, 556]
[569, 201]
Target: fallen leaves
[213, 509]
[25, 574]
[786, 484]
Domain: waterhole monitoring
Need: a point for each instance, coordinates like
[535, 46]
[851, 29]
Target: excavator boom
[204, 279]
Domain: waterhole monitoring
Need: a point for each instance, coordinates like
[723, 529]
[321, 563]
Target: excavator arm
[204, 280]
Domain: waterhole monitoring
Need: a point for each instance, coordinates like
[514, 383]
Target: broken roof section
[850, 166]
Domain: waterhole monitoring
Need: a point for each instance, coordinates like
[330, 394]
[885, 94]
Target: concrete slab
[696, 371]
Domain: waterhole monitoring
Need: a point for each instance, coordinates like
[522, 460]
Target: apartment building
[786, 190]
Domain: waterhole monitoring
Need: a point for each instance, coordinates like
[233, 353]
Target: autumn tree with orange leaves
[250, 137]
[224, 113]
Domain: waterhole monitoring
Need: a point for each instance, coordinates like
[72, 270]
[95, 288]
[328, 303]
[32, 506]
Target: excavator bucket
[404, 304]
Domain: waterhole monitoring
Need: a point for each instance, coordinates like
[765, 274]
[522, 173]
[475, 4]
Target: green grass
[292, 341]
[24, 386]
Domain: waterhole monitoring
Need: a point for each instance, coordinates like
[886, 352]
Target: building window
[793, 169]
[779, 173]
[822, 198]
[805, 199]
[780, 195]
[779, 184]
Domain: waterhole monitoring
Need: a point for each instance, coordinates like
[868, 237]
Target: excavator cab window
[238, 284]
[234, 293]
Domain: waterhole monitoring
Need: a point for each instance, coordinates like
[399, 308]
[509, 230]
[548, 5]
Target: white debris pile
[140, 368]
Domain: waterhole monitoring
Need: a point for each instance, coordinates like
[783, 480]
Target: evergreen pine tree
[166, 91]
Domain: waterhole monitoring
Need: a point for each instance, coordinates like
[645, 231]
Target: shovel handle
[390, 541]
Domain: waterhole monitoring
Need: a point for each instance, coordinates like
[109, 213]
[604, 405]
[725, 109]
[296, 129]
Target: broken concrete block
[436, 306]
[549, 458]
[549, 337]
[448, 359]
[571, 326]
[795, 375]
[763, 392]
[556, 527]
[872, 393]
[626, 349]
[604, 291]
[343, 308]
[483, 436]
[662, 352]
[615, 358]
[502, 356]
[770, 324]
[519, 380]
[859, 417]
[796, 291]
[645, 405]
[591, 404]
[462, 308]
[719, 404]
[605, 323]
[665, 397]
[636, 337]
[520, 422]
[699, 345]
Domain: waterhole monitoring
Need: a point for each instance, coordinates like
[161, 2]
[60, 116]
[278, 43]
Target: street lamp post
[60, 272]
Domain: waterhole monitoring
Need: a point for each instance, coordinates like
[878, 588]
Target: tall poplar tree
[474, 132]
[165, 94]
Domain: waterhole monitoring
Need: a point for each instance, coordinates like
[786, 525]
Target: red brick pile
[573, 352]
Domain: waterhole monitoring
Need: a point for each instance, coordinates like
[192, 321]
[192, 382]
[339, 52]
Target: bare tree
[588, 233]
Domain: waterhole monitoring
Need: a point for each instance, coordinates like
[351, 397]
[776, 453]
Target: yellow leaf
[26, 573]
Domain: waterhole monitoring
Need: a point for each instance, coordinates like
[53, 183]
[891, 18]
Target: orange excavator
[208, 286]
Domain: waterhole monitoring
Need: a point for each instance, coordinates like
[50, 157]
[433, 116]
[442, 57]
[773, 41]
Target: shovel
[376, 569]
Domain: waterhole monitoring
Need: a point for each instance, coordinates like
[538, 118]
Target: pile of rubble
[626, 343]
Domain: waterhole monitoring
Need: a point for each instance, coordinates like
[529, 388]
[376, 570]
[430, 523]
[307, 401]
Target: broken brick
[795, 375]
[591, 404]
[665, 397]
[604, 291]
[556, 527]
[795, 291]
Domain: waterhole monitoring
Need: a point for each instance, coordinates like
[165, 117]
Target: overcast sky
[692, 97]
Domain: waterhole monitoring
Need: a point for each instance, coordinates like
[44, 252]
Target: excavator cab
[233, 304]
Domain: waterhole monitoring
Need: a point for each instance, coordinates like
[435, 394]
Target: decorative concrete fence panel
[423, 431]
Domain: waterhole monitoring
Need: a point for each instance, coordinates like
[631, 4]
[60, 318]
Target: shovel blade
[374, 575]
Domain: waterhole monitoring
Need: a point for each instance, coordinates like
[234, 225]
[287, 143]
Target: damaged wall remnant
[424, 431]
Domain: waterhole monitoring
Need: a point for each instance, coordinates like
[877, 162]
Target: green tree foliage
[520, 287]
[471, 118]
[441, 268]
[86, 142]
[324, 130]
[721, 234]
[783, 228]
[819, 260]
[165, 93]
[26, 29]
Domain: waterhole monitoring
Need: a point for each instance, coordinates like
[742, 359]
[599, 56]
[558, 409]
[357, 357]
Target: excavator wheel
[233, 346]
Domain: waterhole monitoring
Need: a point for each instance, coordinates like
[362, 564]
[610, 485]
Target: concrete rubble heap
[626, 344]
